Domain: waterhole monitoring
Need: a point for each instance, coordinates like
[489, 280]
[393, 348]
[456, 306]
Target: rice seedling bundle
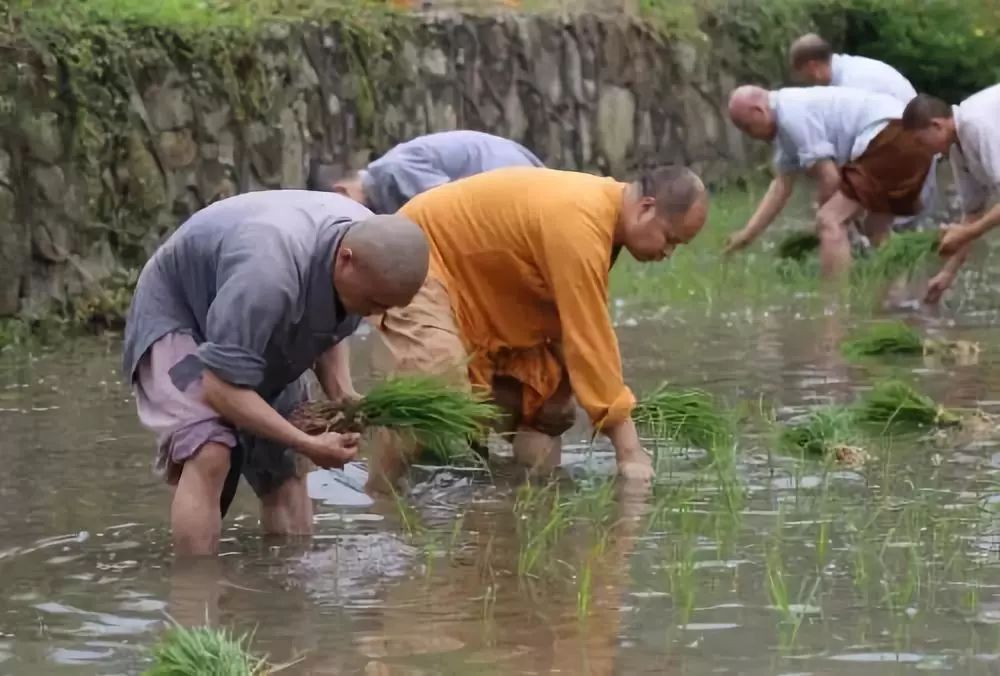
[899, 255]
[442, 419]
[203, 651]
[884, 338]
[689, 416]
[798, 245]
[821, 432]
[894, 403]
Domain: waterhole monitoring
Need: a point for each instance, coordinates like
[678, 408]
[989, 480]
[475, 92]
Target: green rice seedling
[798, 245]
[893, 403]
[442, 419]
[899, 255]
[821, 432]
[203, 651]
[884, 338]
[688, 416]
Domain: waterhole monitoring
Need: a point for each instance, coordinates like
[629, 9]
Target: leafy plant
[689, 416]
[893, 403]
[884, 338]
[442, 419]
[203, 651]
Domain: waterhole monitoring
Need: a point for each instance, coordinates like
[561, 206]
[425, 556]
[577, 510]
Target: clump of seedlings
[204, 651]
[687, 416]
[884, 338]
[798, 245]
[443, 420]
[897, 338]
[900, 254]
[893, 403]
[829, 433]
[840, 432]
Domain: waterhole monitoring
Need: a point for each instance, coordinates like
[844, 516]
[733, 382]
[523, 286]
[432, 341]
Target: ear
[345, 256]
[647, 202]
[339, 189]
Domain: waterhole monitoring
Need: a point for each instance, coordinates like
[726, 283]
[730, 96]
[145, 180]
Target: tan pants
[424, 338]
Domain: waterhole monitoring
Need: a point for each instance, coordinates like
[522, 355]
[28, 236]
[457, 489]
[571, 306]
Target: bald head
[811, 59]
[931, 122]
[750, 111]
[809, 47]
[382, 262]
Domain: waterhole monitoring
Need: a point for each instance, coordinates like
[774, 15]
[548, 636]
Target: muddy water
[893, 568]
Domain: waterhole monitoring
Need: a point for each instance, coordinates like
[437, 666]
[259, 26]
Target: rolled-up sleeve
[577, 270]
[971, 192]
[810, 139]
[257, 285]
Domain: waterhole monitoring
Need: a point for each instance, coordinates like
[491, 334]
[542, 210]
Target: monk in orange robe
[516, 299]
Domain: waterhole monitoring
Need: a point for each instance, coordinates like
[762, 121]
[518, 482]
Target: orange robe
[524, 254]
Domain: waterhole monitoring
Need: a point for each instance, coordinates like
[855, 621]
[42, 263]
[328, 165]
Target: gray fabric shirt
[870, 75]
[250, 278]
[827, 123]
[428, 161]
[975, 159]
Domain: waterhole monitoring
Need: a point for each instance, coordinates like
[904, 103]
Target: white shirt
[827, 123]
[861, 72]
[975, 159]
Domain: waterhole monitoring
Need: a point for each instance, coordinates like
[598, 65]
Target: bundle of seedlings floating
[895, 404]
[688, 416]
[204, 651]
[798, 245]
[821, 431]
[897, 338]
[443, 420]
[899, 255]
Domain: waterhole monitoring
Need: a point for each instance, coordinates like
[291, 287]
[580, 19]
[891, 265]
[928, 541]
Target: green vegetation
[204, 651]
[897, 405]
[822, 430]
[884, 338]
[689, 416]
[442, 419]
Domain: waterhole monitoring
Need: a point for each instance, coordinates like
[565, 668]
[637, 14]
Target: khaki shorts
[169, 402]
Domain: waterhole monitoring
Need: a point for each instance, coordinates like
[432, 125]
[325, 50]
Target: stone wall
[82, 196]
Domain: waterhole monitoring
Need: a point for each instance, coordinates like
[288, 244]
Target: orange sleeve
[576, 265]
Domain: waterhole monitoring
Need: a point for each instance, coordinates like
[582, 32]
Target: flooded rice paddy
[756, 563]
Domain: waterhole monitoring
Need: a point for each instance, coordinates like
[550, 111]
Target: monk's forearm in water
[624, 437]
[333, 369]
[247, 410]
[771, 205]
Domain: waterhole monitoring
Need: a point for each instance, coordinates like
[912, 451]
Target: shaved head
[809, 47]
[811, 58]
[382, 263]
[750, 110]
[932, 123]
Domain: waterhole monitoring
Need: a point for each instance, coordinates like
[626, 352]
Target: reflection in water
[893, 568]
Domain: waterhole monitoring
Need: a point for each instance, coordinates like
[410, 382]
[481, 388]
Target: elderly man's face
[936, 138]
[758, 123]
[654, 237]
[813, 73]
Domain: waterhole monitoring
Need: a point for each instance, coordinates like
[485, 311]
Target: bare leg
[835, 248]
[878, 227]
[287, 510]
[537, 451]
[387, 462]
[194, 513]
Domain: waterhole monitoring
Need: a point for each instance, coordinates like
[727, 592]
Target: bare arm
[770, 206]
[245, 409]
[333, 369]
[827, 180]
[946, 275]
[624, 437]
